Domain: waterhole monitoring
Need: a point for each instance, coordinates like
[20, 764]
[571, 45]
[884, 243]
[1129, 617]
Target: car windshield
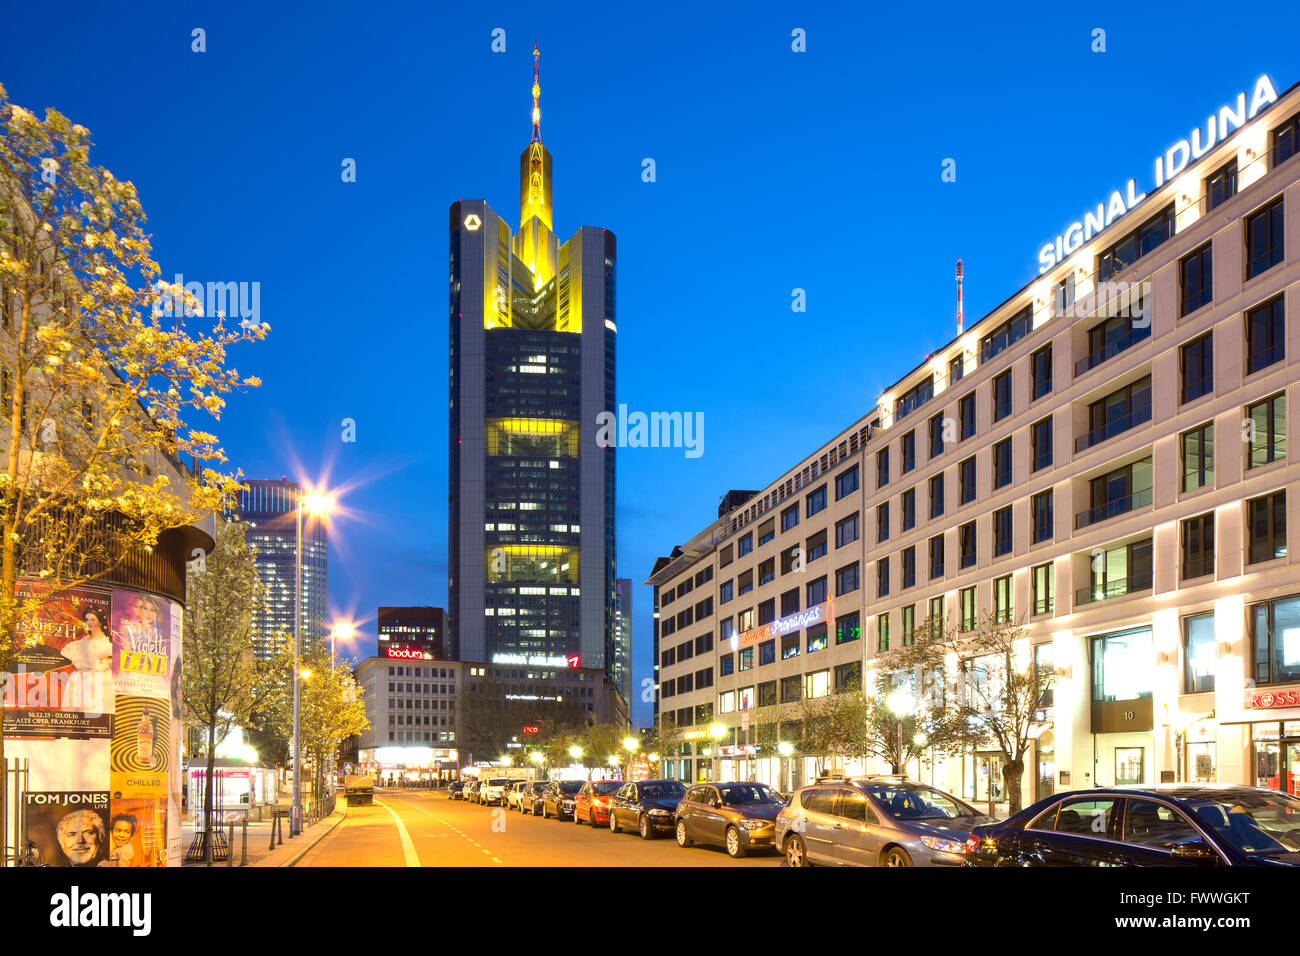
[1263, 823]
[571, 786]
[497, 783]
[607, 786]
[749, 793]
[660, 791]
[920, 803]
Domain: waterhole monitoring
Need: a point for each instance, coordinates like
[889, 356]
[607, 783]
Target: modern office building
[621, 671]
[411, 709]
[531, 534]
[1103, 457]
[268, 507]
[412, 633]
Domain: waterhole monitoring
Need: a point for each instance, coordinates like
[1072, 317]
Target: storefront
[423, 766]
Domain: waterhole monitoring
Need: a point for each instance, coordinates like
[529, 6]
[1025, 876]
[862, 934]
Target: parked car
[530, 797]
[492, 792]
[646, 806]
[1172, 825]
[558, 798]
[591, 805]
[738, 816]
[891, 822]
[471, 791]
[512, 794]
[455, 790]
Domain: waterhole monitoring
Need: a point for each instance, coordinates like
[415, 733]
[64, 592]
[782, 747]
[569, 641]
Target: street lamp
[900, 704]
[344, 631]
[717, 732]
[575, 752]
[630, 744]
[318, 505]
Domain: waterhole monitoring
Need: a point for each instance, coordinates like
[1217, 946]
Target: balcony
[1113, 589]
[1113, 508]
[1111, 349]
[1117, 426]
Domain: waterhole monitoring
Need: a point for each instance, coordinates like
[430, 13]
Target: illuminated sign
[531, 729]
[817, 614]
[694, 735]
[1174, 161]
[407, 653]
[535, 660]
[472, 222]
[1272, 698]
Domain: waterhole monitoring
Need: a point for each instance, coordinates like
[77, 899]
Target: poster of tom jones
[69, 828]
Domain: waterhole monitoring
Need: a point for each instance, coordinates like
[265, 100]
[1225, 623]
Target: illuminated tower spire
[537, 93]
[534, 243]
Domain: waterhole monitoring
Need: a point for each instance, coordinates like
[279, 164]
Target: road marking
[408, 848]
[495, 860]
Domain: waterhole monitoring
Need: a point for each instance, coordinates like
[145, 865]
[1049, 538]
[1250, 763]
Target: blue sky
[775, 170]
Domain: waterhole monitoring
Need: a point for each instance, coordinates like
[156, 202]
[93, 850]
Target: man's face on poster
[80, 834]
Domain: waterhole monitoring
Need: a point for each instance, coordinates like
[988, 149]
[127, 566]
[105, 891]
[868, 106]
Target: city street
[424, 828]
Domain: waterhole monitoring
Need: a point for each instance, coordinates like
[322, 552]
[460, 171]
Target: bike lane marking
[408, 848]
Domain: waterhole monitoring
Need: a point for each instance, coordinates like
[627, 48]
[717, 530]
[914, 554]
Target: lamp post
[900, 703]
[344, 631]
[785, 749]
[318, 505]
[717, 732]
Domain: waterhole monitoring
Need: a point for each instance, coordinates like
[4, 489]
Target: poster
[70, 827]
[142, 641]
[175, 798]
[137, 832]
[71, 631]
[142, 737]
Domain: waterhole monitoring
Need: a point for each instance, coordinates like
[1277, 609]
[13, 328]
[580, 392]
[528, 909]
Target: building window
[1221, 185]
[846, 483]
[936, 496]
[909, 567]
[882, 522]
[1122, 665]
[1199, 653]
[1136, 244]
[909, 624]
[788, 557]
[966, 609]
[790, 602]
[966, 479]
[745, 620]
[848, 677]
[1002, 599]
[847, 628]
[1118, 492]
[790, 646]
[1119, 571]
[1265, 335]
[1041, 364]
[1040, 440]
[816, 592]
[1040, 509]
[956, 369]
[816, 501]
[818, 684]
[914, 398]
[1196, 279]
[882, 577]
[816, 638]
[1273, 629]
[936, 436]
[1115, 414]
[846, 530]
[1002, 531]
[1063, 296]
[745, 545]
[1002, 463]
[908, 450]
[726, 592]
[882, 632]
[938, 617]
[1198, 456]
[846, 579]
[727, 665]
[766, 571]
[767, 694]
[724, 558]
[966, 412]
[1267, 431]
[789, 517]
[1264, 239]
[1197, 361]
[1002, 396]
[766, 531]
[766, 611]
[882, 467]
[966, 542]
[909, 509]
[791, 688]
[1198, 546]
[1042, 580]
[1266, 524]
[817, 545]
[745, 581]
[1006, 335]
[1114, 335]
[936, 557]
[1286, 140]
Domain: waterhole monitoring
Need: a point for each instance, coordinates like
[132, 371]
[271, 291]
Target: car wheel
[644, 828]
[576, 819]
[682, 839]
[613, 822]
[591, 818]
[895, 856]
[796, 854]
[735, 849]
[546, 812]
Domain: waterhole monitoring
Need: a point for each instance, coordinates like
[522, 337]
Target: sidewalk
[260, 852]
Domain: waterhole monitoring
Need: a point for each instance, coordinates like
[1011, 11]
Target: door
[689, 809]
[710, 823]
[1074, 832]
[817, 824]
[856, 840]
[1151, 831]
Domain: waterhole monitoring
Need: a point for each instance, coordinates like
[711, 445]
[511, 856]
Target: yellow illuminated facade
[533, 562]
[537, 437]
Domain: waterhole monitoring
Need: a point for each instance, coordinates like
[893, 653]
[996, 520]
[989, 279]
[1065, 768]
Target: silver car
[875, 822]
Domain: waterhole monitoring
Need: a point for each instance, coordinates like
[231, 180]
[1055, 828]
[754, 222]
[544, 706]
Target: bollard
[243, 849]
[230, 844]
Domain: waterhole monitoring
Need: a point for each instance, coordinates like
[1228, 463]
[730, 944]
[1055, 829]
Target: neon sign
[405, 653]
[535, 660]
[817, 614]
[1175, 159]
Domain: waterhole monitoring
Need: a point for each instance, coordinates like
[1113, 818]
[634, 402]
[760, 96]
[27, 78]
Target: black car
[646, 806]
[1173, 825]
[558, 799]
[454, 790]
[530, 798]
[470, 792]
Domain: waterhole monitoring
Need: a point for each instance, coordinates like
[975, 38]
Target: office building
[621, 671]
[412, 633]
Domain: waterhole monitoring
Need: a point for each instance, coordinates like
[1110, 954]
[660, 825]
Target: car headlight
[946, 846]
[660, 813]
[754, 824]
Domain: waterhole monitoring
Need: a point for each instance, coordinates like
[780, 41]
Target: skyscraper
[622, 665]
[267, 506]
[531, 534]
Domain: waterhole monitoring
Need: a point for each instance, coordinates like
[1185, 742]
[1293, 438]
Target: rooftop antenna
[959, 323]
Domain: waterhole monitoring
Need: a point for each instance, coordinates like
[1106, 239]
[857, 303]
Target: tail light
[972, 843]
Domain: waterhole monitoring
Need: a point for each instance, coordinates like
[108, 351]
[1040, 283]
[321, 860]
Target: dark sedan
[454, 790]
[646, 806]
[470, 793]
[1174, 825]
[530, 797]
[738, 816]
[558, 799]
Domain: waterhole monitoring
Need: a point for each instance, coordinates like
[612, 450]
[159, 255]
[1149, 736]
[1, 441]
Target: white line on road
[408, 848]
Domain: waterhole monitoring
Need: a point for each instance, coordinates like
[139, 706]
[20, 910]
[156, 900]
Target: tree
[94, 382]
[599, 742]
[221, 679]
[994, 698]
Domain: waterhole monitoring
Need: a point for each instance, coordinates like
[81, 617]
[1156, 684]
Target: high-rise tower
[531, 535]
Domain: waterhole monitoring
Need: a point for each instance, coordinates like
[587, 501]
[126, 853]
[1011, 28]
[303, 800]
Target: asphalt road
[424, 828]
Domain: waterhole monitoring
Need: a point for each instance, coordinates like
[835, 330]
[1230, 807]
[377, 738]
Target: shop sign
[1264, 699]
[817, 614]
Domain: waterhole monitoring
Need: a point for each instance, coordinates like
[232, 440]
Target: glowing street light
[536, 757]
[318, 505]
[344, 631]
[784, 749]
[630, 744]
[613, 760]
[575, 752]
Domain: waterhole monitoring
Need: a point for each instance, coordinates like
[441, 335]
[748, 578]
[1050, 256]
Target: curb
[271, 861]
